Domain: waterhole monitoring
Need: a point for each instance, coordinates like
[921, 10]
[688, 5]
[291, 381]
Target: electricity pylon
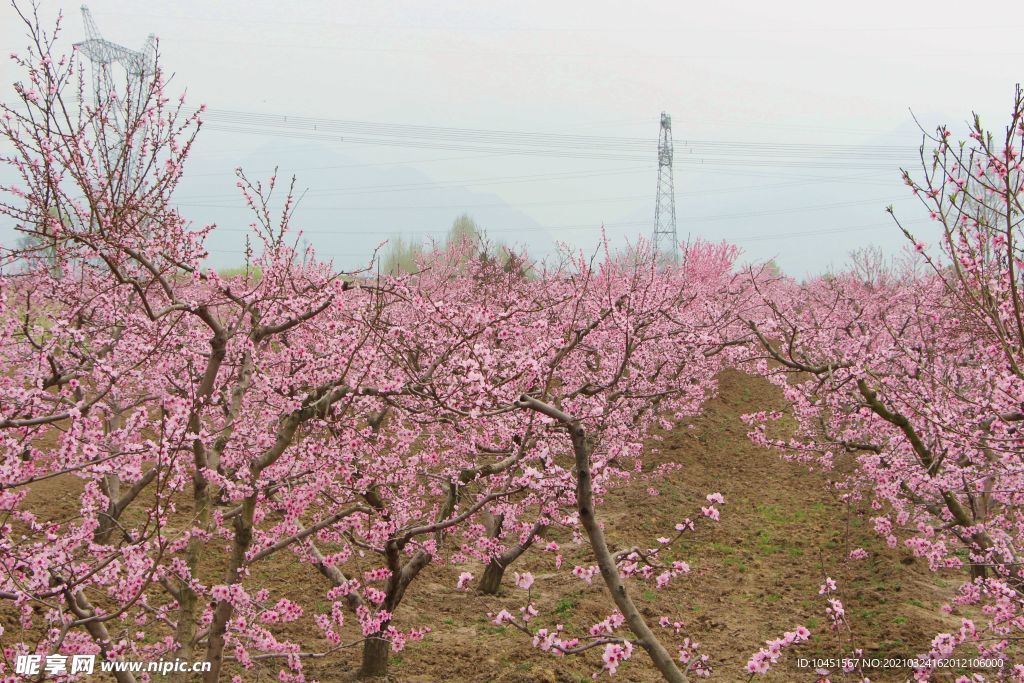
[123, 105]
[666, 244]
[103, 54]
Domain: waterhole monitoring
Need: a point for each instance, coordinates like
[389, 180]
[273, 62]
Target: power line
[734, 55]
[320, 24]
[691, 155]
[492, 205]
[591, 226]
[705, 153]
[529, 178]
[570, 202]
[861, 227]
[331, 167]
[368, 132]
[825, 231]
[456, 184]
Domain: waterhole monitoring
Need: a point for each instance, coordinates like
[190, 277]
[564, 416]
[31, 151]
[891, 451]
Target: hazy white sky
[816, 73]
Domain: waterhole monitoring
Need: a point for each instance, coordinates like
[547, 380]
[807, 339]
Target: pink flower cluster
[763, 659]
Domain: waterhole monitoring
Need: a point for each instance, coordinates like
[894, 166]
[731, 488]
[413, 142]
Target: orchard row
[369, 425]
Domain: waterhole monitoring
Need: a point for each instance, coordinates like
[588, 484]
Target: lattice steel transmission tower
[666, 244]
[104, 54]
[123, 105]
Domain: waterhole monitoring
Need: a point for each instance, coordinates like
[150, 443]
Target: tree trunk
[82, 608]
[376, 650]
[609, 572]
[224, 610]
[490, 582]
[605, 561]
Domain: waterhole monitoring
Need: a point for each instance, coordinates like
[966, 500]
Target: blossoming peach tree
[634, 344]
[200, 428]
[206, 424]
[915, 373]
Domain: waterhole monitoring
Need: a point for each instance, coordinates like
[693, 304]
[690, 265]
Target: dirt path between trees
[754, 575]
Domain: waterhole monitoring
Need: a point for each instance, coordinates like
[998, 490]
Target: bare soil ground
[754, 575]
